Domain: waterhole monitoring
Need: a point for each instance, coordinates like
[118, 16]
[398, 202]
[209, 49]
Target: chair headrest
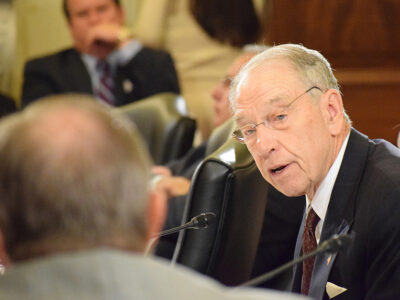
[164, 124]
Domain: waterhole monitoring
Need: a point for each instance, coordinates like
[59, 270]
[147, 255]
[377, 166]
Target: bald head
[71, 171]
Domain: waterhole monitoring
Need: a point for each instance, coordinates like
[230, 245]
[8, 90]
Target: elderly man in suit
[105, 60]
[76, 211]
[289, 112]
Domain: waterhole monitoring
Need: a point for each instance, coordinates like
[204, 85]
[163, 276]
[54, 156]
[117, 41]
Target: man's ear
[156, 212]
[332, 106]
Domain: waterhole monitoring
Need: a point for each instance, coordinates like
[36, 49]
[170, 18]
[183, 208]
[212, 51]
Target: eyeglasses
[277, 121]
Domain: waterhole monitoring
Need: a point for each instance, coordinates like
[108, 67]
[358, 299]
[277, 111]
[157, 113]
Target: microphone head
[337, 243]
[203, 220]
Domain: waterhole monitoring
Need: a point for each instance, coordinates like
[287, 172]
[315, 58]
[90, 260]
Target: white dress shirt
[322, 196]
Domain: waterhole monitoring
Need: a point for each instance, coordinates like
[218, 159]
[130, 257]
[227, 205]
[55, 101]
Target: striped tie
[309, 245]
[106, 84]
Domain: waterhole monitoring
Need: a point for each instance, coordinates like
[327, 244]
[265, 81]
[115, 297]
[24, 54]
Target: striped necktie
[309, 245]
[106, 84]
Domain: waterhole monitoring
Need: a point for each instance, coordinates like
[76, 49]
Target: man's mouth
[278, 169]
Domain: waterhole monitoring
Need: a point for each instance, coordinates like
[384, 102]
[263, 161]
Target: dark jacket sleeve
[37, 82]
[61, 72]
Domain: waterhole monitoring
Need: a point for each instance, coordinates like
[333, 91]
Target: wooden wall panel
[361, 39]
[375, 111]
[356, 33]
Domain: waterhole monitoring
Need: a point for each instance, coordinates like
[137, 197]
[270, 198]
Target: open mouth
[278, 170]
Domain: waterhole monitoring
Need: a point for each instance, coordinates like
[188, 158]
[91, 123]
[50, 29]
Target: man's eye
[248, 131]
[82, 14]
[102, 8]
[280, 117]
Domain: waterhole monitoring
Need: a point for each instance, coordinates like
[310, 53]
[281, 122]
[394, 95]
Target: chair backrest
[164, 123]
[7, 105]
[228, 184]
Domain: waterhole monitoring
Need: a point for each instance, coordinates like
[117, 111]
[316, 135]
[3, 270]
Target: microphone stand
[334, 244]
[177, 229]
[273, 273]
[198, 222]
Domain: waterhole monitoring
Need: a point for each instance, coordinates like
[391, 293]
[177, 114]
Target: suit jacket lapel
[297, 269]
[130, 78]
[340, 213]
[77, 74]
[341, 209]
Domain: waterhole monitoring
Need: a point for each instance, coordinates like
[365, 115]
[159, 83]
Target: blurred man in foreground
[289, 113]
[76, 211]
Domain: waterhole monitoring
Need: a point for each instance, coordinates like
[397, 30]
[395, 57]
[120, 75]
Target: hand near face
[102, 39]
[173, 186]
[161, 170]
[96, 26]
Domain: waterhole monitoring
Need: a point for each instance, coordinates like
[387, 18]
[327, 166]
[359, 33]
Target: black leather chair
[228, 184]
[7, 105]
[164, 123]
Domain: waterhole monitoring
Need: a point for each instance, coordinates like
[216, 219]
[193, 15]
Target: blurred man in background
[105, 61]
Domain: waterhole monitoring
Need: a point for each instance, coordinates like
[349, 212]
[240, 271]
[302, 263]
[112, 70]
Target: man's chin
[288, 191]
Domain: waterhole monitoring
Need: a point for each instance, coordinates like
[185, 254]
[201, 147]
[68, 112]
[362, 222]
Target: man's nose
[266, 140]
[94, 18]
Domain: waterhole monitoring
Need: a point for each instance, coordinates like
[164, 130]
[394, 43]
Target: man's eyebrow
[238, 119]
[277, 99]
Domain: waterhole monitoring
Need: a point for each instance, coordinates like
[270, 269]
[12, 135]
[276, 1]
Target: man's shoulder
[151, 56]
[133, 276]
[384, 161]
[153, 52]
[56, 58]
[375, 156]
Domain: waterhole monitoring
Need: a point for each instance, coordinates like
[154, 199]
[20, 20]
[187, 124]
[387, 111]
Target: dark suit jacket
[365, 203]
[149, 72]
[7, 105]
[282, 219]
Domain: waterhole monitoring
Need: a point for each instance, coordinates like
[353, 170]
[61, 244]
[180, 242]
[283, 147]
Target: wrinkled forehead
[269, 78]
[267, 86]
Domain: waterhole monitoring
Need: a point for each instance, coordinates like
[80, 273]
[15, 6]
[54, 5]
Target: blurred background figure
[187, 165]
[7, 55]
[105, 59]
[42, 39]
[203, 37]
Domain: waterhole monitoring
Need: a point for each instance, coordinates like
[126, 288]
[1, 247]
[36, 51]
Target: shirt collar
[90, 62]
[322, 196]
[117, 57]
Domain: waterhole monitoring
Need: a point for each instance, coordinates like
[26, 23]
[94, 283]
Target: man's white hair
[313, 68]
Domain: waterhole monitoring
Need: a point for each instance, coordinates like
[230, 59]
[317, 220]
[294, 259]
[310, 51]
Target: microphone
[200, 221]
[334, 244]
[197, 222]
